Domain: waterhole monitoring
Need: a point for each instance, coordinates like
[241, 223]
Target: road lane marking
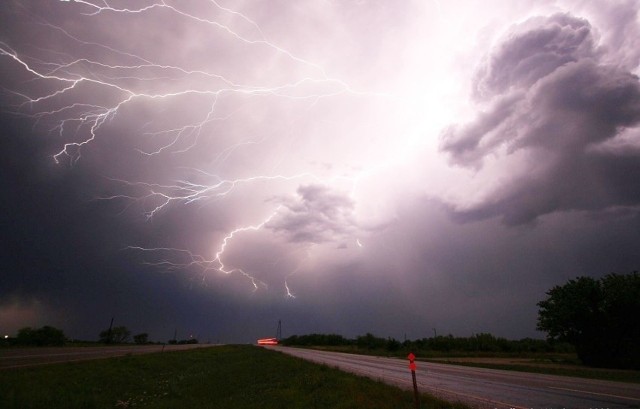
[594, 393]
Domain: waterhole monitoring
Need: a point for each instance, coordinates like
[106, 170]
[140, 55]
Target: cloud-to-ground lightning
[172, 259]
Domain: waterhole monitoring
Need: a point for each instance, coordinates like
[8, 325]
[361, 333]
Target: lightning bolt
[94, 117]
[65, 110]
[201, 262]
[289, 293]
[187, 192]
[229, 237]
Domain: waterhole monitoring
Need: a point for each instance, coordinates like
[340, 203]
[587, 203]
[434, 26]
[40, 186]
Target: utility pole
[279, 331]
[109, 333]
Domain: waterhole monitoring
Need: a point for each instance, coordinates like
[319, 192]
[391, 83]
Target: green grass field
[219, 377]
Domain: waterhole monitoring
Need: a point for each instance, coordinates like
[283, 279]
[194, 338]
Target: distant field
[222, 377]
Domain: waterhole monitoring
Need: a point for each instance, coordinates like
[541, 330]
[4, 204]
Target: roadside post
[412, 367]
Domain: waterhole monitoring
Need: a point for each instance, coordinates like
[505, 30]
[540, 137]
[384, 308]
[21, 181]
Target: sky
[207, 168]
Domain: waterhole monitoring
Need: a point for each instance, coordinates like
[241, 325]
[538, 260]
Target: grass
[220, 377]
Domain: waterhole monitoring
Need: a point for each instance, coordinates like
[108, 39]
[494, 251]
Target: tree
[370, 341]
[45, 336]
[26, 336]
[141, 338]
[115, 335]
[601, 318]
[393, 344]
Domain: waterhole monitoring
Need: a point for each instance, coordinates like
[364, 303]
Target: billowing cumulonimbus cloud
[551, 109]
[317, 214]
[536, 49]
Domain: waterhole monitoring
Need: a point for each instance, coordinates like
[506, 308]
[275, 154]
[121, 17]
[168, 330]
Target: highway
[483, 388]
[23, 357]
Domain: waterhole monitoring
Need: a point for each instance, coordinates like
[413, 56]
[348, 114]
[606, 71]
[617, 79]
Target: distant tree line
[44, 336]
[50, 336]
[122, 335]
[476, 343]
[316, 340]
[183, 341]
[115, 335]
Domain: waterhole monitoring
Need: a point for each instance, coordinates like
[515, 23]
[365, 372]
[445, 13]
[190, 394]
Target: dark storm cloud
[318, 214]
[60, 257]
[546, 94]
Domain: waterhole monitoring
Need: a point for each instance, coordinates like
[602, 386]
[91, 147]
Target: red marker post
[412, 367]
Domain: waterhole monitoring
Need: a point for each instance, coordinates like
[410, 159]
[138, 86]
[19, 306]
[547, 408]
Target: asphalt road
[481, 387]
[23, 357]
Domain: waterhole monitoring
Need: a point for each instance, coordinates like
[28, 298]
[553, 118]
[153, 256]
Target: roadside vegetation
[38, 337]
[476, 345]
[600, 318]
[480, 350]
[218, 377]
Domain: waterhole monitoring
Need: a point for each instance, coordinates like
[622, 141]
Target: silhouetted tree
[45, 336]
[117, 335]
[141, 338]
[370, 341]
[392, 344]
[601, 318]
[26, 336]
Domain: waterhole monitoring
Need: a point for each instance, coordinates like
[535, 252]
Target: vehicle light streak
[268, 341]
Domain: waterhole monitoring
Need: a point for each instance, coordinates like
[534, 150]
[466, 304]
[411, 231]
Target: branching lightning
[67, 112]
[204, 264]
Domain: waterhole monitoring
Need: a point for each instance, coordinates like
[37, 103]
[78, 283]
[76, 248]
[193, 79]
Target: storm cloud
[348, 167]
[316, 215]
[548, 100]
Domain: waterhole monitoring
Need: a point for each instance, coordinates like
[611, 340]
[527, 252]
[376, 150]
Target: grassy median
[219, 377]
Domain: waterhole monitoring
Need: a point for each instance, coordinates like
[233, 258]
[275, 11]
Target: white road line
[594, 393]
